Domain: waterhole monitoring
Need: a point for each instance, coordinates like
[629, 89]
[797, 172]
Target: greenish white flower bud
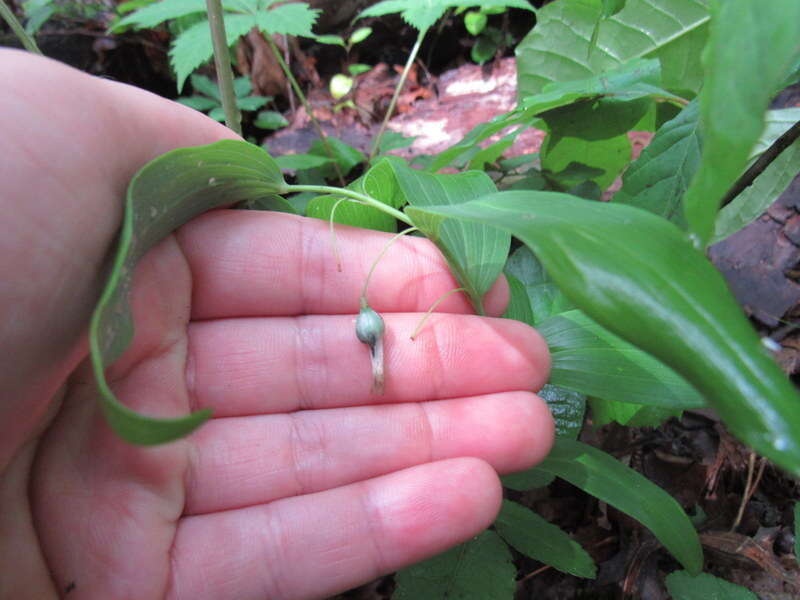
[369, 331]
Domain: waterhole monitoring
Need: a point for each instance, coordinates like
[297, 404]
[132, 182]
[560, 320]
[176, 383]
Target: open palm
[304, 483]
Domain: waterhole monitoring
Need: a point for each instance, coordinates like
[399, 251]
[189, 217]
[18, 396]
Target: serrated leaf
[589, 359]
[753, 201]
[607, 479]
[162, 196]
[421, 14]
[476, 253]
[479, 569]
[659, 178]
[685, 586]
[629, 414]
[294, 18]
[740, 81]
[531, 535]
[557, 49]
[158, 12]
[193, 47]
[637, 275]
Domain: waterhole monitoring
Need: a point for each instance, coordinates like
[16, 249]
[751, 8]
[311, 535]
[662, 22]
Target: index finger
[250, 264]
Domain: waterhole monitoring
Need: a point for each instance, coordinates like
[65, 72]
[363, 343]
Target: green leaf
[242, 87]
[740, 81]
[557, 49]
[531, 535]
[479, 569]
[609, 156]
[607, 479]
[778, 122]
[203, 85]
[350, 213]
[200, 103]
[357, 69]
[637, 275]
[393, 140]
[476, 253]
[421, 14]
[294, 18]
[270, 119]
[492, 152]
[684, 586]
[345, 155]
[545, 297]
[753, 201]
[251, 103]
[612, 7]
[588, 358]
[519, 307]
[298, 162]
[332, 40]
[340, 85]
[162, 196]
[359, 35]
[475, 21]
[193, 47]
[629, 414]
[158, 12]
[659, 178]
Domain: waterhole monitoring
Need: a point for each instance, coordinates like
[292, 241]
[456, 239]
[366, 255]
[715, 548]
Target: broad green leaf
[200, 103]
[203, 85]
[162, 196]
[612, 7]
[475, 21]
[350, 213]
[778, 122]
[531, 535]
[332, 40]
[629, 414]
[476, 253]
[270, 119]
[757, 198]
[659, 178]
[293, 18]
[242, 87]
[609, 156]
[519, 307]
[251, 103]
[685, 586]
[589, 359]
[298, 162]
[359, 35]
[740, 81]
[545, 297]
[492, 152]
[421, 14]
[380, 183]
[557, 49]
[393, 140]
[158, 12]
[531, 479]
[478, 569]
[193, 47]
[607, 479]
[637, 275]
[344, 154]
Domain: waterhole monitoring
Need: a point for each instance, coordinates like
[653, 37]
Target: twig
[306, 105]
[411, 58]
[758, 167]
[750, 487]
[27, 41]
[222, 61]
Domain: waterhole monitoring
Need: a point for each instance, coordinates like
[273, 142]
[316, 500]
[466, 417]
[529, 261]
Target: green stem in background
[27, 41]
[403, 76]
[222, 61]
[363, 198]
[306, 105]
[378, 259]
[431, 309]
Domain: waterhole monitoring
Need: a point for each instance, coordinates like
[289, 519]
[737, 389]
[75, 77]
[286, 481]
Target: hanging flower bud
[369, 331]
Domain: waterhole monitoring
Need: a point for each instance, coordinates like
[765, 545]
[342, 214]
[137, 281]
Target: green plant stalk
[27, 41]
[222, 61]
[403, 76]
[296, 87]
[363, 198]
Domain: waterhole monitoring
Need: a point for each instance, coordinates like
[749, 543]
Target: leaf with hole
[637, 275]
[162, 196]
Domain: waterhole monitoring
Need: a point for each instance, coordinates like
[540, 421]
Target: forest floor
[742, 504]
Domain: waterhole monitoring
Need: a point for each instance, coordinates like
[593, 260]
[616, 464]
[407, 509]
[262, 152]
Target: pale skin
[303, 484]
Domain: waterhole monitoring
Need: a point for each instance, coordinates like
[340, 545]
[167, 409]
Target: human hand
[303, 484]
